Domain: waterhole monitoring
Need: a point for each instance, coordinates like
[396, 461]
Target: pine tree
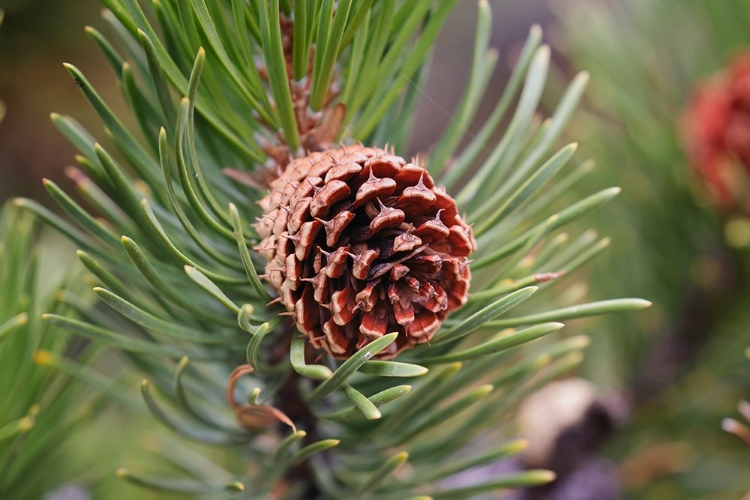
[39, 408]
[265, 192]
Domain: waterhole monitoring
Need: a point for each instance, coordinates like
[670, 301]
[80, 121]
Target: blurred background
[676, 370]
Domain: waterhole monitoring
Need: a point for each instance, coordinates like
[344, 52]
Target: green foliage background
[668, 245]
[645, 58]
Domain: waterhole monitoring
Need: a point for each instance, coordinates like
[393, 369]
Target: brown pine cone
[361, 243]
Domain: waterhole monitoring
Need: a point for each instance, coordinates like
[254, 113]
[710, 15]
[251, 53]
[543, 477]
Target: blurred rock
[566, 424]
[69, 492]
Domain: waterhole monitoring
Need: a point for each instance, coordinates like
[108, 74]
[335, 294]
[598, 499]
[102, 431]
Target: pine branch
[277, 86]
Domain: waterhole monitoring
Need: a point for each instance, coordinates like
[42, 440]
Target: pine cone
[716, 133]
[361, 243]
